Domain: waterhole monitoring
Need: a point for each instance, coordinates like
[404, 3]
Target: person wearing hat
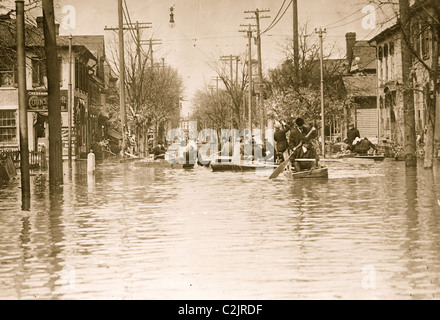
[352, 134]
[301, 133]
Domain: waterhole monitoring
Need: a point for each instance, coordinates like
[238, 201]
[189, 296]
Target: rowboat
[162, 163]
[375, 157]
[224, 164]
[240, 167]
[321, 173]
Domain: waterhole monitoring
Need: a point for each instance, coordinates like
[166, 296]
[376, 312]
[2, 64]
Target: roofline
[385, 33]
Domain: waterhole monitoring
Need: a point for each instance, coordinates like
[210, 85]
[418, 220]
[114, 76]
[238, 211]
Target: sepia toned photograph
[221, 150]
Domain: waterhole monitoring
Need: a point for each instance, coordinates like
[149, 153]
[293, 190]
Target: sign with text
[37, 100]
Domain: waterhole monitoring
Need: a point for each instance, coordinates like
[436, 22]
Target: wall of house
[390, 99]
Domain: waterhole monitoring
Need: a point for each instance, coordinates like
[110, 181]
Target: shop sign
[37, 100]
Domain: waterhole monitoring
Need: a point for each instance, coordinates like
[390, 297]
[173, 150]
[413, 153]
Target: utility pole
[320, 31]
[232, 90]
[260, 69]
[216, 78]
[69, 102]
[151, 42]
[22, 93]
[409, 135]
[249, 36]
[53, 101]
[122, 77]
[295, 39]
[120, 30]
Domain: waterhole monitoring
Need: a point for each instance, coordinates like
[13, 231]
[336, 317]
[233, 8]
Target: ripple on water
[133, 233]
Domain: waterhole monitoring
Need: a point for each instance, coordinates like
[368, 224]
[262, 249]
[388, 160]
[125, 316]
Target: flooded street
[371, 231]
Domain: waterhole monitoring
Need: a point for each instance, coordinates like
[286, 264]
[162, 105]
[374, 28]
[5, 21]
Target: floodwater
[371, 231]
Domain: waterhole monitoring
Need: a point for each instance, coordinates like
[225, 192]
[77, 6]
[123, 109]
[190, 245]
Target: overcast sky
[207, 29]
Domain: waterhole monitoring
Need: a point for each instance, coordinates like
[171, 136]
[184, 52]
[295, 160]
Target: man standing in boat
[301, 146]
[281, 141]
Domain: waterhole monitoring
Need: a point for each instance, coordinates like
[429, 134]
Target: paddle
[283, 165]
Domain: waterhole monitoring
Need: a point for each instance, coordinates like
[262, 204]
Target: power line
[276, 16]
[276, 22]
[349, 22]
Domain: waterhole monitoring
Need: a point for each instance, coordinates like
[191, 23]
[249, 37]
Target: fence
[37, 159]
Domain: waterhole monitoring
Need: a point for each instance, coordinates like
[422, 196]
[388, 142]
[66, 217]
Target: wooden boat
[375, 157]
[162, 163]
[321, 173]
[226, 165]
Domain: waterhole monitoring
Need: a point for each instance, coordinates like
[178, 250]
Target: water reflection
[368, 232]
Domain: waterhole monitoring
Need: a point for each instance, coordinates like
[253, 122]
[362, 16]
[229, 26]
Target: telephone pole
[53, 93]
[122, 77]
[137, 27]
[320, 32]
[409, 137]
[249, 36]
[260, 68]
[69, 102]
[151, 42]
[295, 39]
[22, 112]
[232, 86]
[120, 31]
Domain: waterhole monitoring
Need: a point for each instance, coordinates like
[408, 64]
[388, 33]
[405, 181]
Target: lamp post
[320, 32]
[172, 23]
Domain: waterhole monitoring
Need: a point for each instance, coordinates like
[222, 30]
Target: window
[60, 70]
[8, 127]
[8, 71]
[425, 42]
[415, 36]
[38, 72]
[81, 77]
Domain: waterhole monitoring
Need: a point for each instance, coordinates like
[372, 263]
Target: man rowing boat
[300, 142]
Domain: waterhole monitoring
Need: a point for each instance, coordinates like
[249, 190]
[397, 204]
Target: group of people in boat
[300, 145]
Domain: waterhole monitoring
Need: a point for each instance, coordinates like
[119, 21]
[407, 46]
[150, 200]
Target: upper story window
[425, 42]
[39, 73]
[81, 77]
[8, 71]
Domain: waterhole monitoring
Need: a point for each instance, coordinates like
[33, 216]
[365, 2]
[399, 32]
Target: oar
[283, 165]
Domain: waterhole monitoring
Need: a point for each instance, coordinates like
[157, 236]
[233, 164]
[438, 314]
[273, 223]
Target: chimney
[350, 40]
[40, 25]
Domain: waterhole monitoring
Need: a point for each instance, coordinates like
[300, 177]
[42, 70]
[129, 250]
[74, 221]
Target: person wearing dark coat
[352, 134]
[301, 133]
[301, 145]
[281, 140]
[363, 146]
